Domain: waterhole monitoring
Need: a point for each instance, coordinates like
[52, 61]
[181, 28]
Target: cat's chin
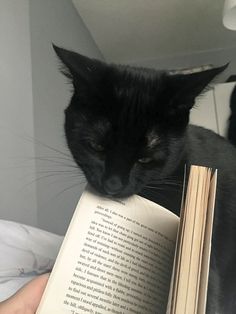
[121, 194]
[126, 192]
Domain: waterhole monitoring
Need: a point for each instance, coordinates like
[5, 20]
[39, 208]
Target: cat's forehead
[103, 128]
[128, 72]
[129, 80]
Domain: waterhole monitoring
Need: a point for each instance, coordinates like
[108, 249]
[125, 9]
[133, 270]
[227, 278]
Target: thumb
[27, 299]
[32, 292]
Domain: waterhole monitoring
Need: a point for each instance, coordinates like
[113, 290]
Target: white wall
[17, 166]
[33, 95]
[222, 94]
[216, 57]
[58, 184]
[204, 112]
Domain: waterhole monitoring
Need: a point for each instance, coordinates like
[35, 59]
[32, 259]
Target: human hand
[26, 300]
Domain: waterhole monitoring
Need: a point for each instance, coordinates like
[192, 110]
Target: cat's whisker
[60, 172]
[156, 192]
[39, 142]
[165, 181]
[42, 162]
[55, 174]
[36, 141]
[68, 188]
[55, 157]
[156, 188]
[54, 161]
[162, 186]
[165, 186]
[80, 182]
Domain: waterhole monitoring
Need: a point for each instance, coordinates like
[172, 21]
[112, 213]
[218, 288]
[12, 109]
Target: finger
[32, 292]
[27, 299]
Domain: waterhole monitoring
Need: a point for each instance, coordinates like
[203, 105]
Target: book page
[191, 267]
[207, 248]
[117, 257]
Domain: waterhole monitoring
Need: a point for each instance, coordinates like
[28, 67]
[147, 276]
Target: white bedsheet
[25, 252]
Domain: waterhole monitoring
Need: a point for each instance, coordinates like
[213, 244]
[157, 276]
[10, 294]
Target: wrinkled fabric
[25, 252]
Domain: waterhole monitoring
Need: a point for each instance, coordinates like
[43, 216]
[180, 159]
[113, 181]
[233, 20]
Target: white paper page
[116, 258]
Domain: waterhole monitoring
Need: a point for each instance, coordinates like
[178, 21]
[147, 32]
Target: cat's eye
[96, 147]
[145, 160]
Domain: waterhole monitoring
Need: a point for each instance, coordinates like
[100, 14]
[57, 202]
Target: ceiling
[136, 30]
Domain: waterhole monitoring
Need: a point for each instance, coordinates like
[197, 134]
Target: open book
[133, 256]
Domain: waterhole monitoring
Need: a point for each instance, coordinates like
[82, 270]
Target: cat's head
[125, 125]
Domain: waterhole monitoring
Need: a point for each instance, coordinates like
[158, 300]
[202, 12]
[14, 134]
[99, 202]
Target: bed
[25, 252]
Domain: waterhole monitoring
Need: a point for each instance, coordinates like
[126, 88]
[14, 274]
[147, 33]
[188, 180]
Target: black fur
[127, 129]
[232, 119]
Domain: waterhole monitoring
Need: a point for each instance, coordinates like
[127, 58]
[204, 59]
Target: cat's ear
[79, 67]
[186, 87]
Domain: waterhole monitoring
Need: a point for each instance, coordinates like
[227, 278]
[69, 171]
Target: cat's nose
[112, 185]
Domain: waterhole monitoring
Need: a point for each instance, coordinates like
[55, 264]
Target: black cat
[232, 119]
[127, 129]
